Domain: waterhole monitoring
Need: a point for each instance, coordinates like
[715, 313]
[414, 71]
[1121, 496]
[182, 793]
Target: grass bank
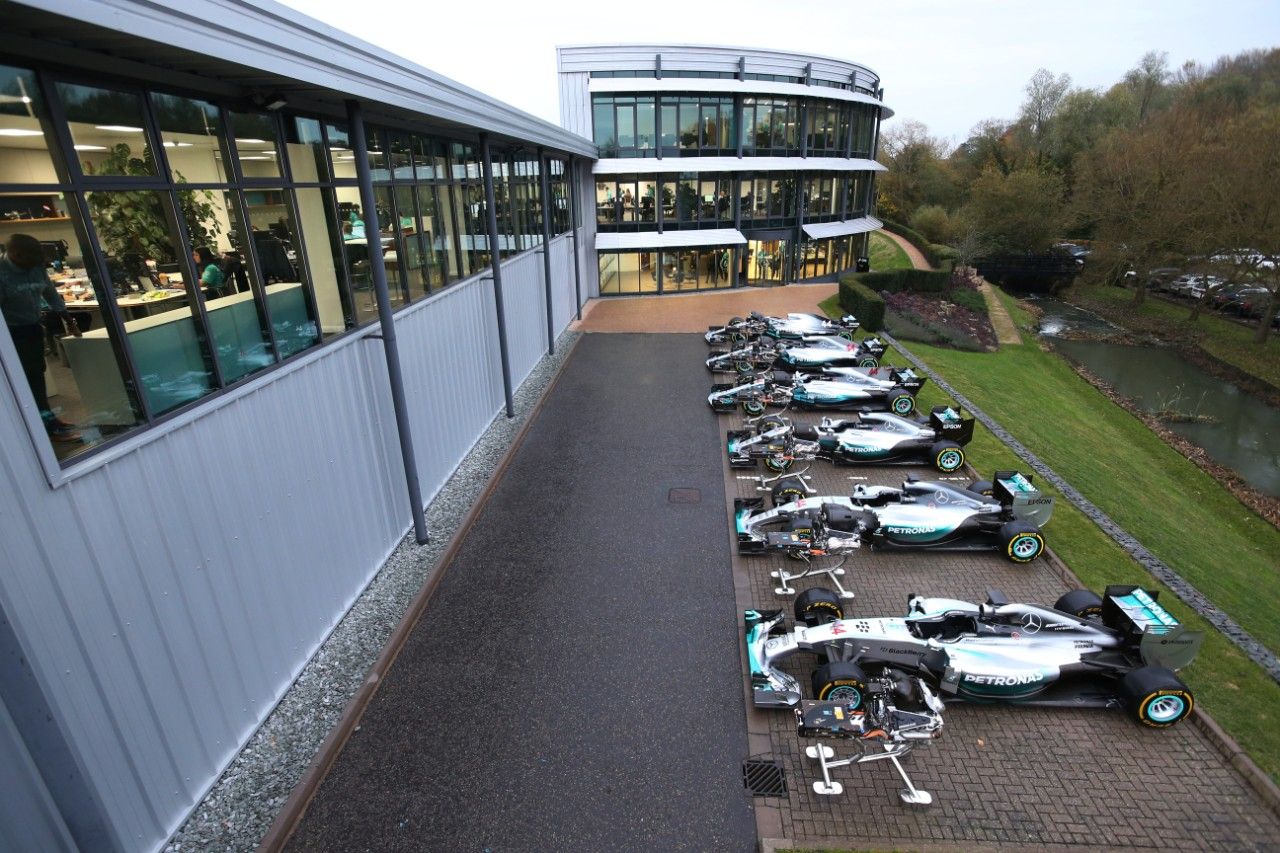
[1219, 337]
[1173, 508]
[886, 254]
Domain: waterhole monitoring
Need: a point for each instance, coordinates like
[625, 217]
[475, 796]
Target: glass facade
[667, 270]
[714, 125]
[158, 248]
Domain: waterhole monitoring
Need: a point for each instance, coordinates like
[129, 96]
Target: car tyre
[753, 407]
[1156, 696]
[868, 361]
[847, 334]
[770, 422]
[901, 402]
[818, 606]
[743, 367]
[948, 457]
[981, 487]
[788, 489]
[1084, 603]
[1022, 541]
[778, 462]
[840, 681]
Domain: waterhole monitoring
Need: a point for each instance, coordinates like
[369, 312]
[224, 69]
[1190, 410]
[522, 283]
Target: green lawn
[1218, 336]
[886, 254]
[1241, 696]
[1173, 508]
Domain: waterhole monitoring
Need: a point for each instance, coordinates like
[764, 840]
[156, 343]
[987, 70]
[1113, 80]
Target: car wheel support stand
[892, 751]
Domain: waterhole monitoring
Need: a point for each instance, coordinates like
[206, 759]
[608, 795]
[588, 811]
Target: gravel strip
[241, 805]
[1256, 651]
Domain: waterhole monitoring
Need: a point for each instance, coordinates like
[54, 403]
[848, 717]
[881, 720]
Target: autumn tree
[1022, 211]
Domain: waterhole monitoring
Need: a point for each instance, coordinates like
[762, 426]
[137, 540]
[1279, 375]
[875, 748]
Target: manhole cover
[684, 496]
[764, 778]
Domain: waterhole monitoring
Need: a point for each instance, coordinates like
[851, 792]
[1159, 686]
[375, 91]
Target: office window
[768, 200]
[625, 125]
[770, 126]
[191, 133]
[603, 130]
[697, 125]
[376, 148]
[558, 184]
[628, 272]
[428, 234]
[80, 385]
[342, 160]
[304, 145]
[273, 227]
[108, 131]
[322, 237]
[255, 137]
[137, 231]
[401, 156]
[24, 151]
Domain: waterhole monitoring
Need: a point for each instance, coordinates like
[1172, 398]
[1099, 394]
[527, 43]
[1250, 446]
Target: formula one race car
[934, 515]
[826, 352]
[856, 391]
[812, 354]
[1119, 650]
[870, 438]
[738, 330]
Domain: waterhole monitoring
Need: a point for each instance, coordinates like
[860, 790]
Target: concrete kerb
[1227, 745]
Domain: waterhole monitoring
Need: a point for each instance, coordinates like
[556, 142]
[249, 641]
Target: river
[1244, 434]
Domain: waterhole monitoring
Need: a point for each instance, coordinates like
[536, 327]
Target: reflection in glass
[24, 153]
[172, 357]
[305, 147]
[256, 137]
[191, 133]
[107, 130]
[322, 236]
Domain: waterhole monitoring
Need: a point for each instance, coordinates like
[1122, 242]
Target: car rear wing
[1014, 491]
[951, 425]
[907, 378]
[1162, 639]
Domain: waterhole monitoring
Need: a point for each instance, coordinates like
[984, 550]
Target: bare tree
[1147, 78]
[1044, 95]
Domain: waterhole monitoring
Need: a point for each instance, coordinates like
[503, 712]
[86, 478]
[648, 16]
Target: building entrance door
[767, 262]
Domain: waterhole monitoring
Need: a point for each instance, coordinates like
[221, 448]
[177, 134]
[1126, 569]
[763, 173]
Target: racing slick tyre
[787, 490]
[947, 456]
[733, 321]
[753, 407]
[742, 367]
[840, 681]
[847, 334]
[738, 339]
[901, 402]
[1084, 603]
[818, 606]
[1022, 541]
[981, 487]
[1156, 696]
[868, 361]
[778, 462]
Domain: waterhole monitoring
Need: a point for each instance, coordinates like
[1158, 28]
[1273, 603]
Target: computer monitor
[55, 251]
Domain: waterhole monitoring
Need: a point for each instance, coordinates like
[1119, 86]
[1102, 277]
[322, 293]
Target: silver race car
[871, 438]
[740, 330]
[1118, 650]
[858, 390]
[811, 355]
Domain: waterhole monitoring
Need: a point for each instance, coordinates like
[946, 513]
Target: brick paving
[694, 312]
[1004, 777]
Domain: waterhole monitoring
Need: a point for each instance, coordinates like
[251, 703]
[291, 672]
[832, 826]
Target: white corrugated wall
[165, 599]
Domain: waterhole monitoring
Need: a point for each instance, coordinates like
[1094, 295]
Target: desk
[133, 306]
[169, 357]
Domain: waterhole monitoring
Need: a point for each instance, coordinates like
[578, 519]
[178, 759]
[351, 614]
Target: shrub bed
[938, 255]
[862, 302]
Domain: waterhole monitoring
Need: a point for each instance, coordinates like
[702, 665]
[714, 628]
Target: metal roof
[238, 48]
[668, 239]
[823, 230]
[652, 165]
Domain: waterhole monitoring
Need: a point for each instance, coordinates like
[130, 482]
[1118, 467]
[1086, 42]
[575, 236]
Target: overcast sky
[947, 63]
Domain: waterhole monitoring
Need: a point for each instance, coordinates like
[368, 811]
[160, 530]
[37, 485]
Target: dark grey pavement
[575, 683]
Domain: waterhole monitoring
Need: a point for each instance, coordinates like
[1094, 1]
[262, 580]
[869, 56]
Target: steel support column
[572, 166]
[395, 378]
[546, 247]
[495, 264]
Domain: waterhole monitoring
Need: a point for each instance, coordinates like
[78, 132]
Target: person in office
[211, 277]
[24, 289]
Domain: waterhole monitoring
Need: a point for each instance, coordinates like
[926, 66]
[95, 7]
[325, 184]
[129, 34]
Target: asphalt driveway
[575, 681]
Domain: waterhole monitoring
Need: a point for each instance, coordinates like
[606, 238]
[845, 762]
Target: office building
[720, 167]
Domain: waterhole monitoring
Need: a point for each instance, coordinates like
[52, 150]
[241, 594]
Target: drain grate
[685, 496]
[764, 778]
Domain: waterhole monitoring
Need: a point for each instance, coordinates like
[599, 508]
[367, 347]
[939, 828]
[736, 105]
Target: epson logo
[911, 531]
[1005, 680]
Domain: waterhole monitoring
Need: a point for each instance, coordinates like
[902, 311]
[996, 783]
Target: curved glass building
[721, 167]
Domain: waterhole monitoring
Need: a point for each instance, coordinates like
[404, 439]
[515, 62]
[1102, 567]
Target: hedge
[936, 254]
[862, 302]
[921, 281]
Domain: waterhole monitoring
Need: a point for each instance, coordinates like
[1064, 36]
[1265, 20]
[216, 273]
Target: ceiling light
[250, 141]
[18, 131]
[178, 145]
[118, 128]
[254, 157]
[90, 147]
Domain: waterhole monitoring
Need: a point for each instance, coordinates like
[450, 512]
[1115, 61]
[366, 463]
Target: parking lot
[1000, 776]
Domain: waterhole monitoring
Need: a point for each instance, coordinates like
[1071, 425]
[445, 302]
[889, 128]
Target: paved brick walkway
[1001, 776]
[694, 312]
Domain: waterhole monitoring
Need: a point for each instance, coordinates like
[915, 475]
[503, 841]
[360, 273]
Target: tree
[1147, 79]
[1044, 95]
[917, 172]
[1022, 211]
